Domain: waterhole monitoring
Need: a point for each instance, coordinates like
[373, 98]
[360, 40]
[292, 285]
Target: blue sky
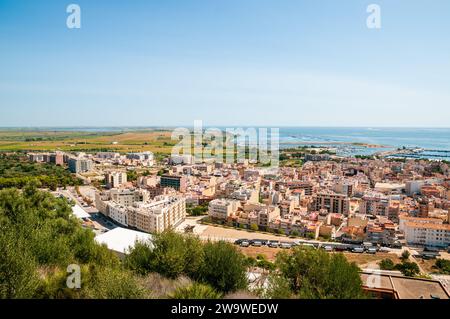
[226, 62]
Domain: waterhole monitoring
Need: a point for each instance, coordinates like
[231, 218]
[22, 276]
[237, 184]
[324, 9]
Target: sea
[431, 143]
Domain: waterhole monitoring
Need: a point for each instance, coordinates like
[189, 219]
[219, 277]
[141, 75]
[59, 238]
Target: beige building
[127, 197]
[222, 208]
[164, 212]
[154, 216]
[115, 179]
[134, 208]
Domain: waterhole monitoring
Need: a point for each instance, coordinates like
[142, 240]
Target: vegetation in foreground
[39, 238]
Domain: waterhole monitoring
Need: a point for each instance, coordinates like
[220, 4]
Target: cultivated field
[157, 141]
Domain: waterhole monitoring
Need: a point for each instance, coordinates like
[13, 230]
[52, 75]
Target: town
[358, 205]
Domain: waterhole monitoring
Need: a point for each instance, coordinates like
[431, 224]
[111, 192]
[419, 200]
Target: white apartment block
[118, 213]
[181, 159]
[427, 234]
[407, 219]
[152, 216]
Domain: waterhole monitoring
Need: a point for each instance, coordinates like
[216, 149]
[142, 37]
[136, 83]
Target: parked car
[397, 245]
[285, 245]
[274, 244]
[245, 243]
[256, 243]
[328, 248]
[372, 250]
[358, 250]
[264, 242]
[238, 241]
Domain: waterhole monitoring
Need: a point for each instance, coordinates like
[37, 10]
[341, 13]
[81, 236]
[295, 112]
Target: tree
[295, 233]
[386, 264]
[139, 258]
[224, 267]
[310, 235]
[169, 254]
[132, 176]
[262, 262]
[315, 274]
[196, 291]
[409, 269]
[39, 238]
[278, 287]
[194, 255]
[405, 255]
[254, 227]
[18, 277]
[443, 265]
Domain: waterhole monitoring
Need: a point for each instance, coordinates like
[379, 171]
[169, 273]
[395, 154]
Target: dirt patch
[427, 265]
[269, 253]
[363, 260]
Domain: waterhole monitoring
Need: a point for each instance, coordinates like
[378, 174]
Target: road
[210, 232]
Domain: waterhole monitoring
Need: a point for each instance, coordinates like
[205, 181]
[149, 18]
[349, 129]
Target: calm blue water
[430, 139]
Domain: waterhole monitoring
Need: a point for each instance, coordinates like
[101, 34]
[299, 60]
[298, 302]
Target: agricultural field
[157, 141]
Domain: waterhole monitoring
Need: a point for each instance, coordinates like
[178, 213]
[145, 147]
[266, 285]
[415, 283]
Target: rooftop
[406, 287]
[121, 240]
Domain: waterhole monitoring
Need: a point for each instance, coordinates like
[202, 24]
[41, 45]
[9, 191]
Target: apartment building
[181, 159]
[118, 213]
[380, 233]
[427, 234]
[36, 157]
[405, 219]
[346, 187]
[115, 179]
[222, 209]
[266, 215]
[143, 156]
[133, 208]
[80, 165]
[413, 187]
[164, 212]
[242, 194]
[374, 203]
[107, 155]
[177, 182]
[128, 196]
[306, 186]
[57, 158]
